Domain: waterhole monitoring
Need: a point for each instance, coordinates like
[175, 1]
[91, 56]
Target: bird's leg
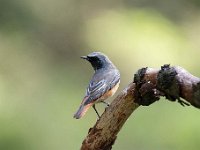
[96, 110]
[107, 104]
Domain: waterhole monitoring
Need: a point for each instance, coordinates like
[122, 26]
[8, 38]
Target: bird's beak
[84, 57]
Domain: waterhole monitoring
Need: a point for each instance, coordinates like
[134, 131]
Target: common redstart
[104, 82]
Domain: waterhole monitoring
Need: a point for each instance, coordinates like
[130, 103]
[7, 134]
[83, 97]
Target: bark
[149, 84]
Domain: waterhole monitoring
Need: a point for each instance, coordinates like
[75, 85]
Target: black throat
[98, 64]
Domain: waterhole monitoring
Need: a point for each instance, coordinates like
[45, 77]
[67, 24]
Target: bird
[103, 84]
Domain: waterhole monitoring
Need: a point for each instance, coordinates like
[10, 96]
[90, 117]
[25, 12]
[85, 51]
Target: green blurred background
[43, 79]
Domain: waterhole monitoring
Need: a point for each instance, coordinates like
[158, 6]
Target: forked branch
[149, 84]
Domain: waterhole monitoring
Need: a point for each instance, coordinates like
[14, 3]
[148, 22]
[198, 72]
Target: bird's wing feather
[100, 84]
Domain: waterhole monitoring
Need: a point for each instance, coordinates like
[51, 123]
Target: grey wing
[115, 80]
[97, 88]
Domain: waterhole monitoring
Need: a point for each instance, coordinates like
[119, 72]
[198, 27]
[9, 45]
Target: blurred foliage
[43, 80]
[15, 16]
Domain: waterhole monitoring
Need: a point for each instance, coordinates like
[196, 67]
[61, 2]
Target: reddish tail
[81, 111]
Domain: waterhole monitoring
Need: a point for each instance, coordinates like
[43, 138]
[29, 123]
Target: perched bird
[104, 82]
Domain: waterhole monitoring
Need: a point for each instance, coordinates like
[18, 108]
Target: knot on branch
[166, 79]
[146, 91]
[169, 85]
[172, 82]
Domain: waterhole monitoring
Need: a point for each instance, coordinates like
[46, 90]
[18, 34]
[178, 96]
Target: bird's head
[98, 60]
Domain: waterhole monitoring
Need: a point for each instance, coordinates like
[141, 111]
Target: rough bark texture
[149, 84]
[104, 133]
[172, 82]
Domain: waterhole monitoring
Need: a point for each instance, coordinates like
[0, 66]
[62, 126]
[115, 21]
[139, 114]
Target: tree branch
[149, 84]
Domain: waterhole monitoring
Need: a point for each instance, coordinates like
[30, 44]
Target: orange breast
[110, 92]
